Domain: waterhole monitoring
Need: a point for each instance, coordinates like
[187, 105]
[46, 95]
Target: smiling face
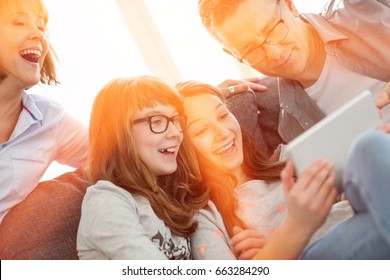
[157, 151]
[214, 132]
[248, 28]
[24, 44]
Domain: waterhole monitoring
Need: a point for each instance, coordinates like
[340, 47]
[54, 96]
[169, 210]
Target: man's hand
[231, 87]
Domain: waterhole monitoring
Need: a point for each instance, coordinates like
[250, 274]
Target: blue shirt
[44, 133]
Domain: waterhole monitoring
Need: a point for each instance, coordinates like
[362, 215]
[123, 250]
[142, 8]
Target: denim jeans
[367, 186]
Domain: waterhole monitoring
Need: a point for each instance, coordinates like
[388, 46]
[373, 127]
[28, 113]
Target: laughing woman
[34, 130]
[144, 196]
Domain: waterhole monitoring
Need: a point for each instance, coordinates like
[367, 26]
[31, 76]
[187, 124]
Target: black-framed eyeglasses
[159, 123]
[256, 55]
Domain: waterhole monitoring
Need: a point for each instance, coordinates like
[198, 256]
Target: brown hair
[175, 197]
[220, 183]
[48, 71]
[214, 12]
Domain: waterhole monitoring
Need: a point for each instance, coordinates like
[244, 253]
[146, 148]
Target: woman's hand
[231, 87]
[311, 197]
[246, 243]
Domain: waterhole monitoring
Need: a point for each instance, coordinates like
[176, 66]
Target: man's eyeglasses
[159, 123]
[256, 55]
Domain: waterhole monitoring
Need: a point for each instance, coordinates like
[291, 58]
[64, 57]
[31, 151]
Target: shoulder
[50, 114]
[209, 219]
[47, 110]
[105, 195]
[43, 109]
[43, 103]
[210, 240]
[255, 186]
[106, 189]
[359, 6]
[209, 212]
[105, 203]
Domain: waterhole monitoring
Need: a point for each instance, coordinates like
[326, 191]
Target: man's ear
[290, 5]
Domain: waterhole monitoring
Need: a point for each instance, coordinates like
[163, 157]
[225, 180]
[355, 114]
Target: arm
[367, 23]
[210, 241]
[246, 243]
[309, 201]
[72, 137]
[110, 226]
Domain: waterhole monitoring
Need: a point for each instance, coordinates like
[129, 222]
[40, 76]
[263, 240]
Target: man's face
[253, 22]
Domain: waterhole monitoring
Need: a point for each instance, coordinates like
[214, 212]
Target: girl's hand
[246, 243]
[310, 198]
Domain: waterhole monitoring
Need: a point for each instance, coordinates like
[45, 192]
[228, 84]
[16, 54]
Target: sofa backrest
[44, 225]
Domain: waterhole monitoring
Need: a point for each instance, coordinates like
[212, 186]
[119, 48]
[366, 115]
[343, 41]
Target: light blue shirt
[44, 133]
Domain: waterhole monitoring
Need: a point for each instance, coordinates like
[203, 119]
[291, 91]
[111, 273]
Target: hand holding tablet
[332, 136]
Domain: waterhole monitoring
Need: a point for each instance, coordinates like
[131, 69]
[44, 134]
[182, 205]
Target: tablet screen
[332, 136]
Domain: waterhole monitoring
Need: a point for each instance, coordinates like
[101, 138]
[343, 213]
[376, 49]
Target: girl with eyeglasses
[144, 193]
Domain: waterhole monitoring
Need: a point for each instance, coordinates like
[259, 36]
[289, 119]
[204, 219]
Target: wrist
[301, 231]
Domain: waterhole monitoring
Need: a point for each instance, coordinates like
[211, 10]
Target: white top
[118, 225]
[262, 207]
[43, 133]
[334, 87]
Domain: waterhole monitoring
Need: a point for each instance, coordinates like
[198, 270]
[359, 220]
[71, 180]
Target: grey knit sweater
[262, 207]
[117, 225]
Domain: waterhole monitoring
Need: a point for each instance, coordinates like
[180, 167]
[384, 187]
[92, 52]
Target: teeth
[169, 150]
[31, 51]
[224, 148]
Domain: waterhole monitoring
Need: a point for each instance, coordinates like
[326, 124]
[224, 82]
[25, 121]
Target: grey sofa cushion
[44, 225]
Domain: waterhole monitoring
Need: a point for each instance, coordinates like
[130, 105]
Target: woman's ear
[290, 5]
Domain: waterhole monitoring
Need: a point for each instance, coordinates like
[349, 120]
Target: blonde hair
[220, 183]
[48, 71]
[175, 197]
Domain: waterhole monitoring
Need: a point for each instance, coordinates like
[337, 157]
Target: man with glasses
[332, 57]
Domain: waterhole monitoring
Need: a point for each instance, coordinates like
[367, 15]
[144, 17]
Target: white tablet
[332, 136]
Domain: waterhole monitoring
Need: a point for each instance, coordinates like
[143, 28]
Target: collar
[326, 31]
[28, 117]
[31, 108]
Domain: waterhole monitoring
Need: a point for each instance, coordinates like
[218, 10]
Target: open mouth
[168, 151]
[31, 55]
[226, 149]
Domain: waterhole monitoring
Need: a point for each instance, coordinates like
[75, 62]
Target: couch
[44, 225]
